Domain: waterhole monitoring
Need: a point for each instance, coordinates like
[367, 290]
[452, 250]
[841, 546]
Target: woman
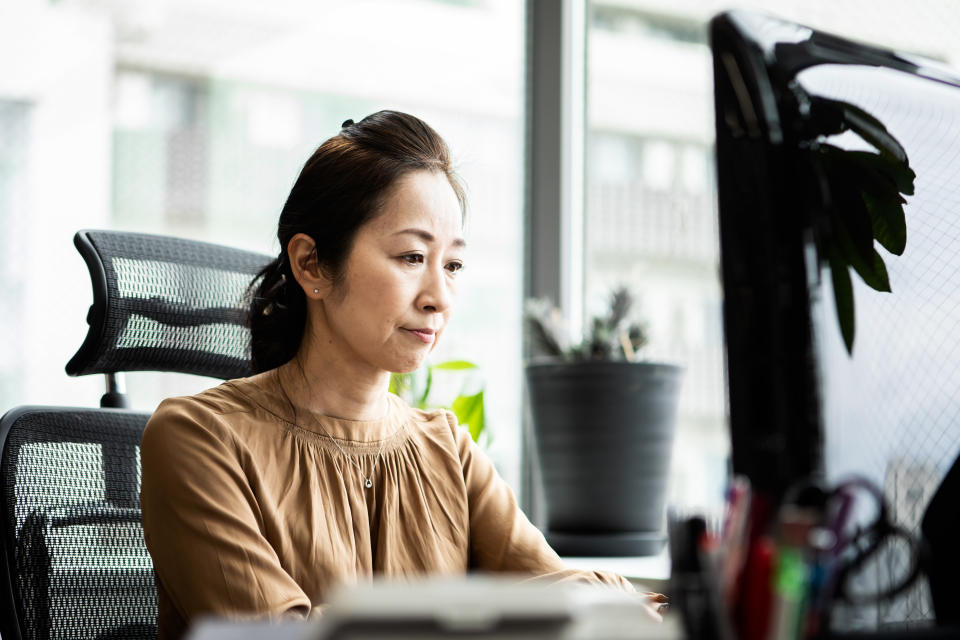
[263, 493]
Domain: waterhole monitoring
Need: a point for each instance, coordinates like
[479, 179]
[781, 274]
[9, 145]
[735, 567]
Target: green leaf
[878, 180]
[454, 365]
[875, 275]
[873, 272]
[889, 223]
[861, 198]
[620, 303]
[543, 327]
[873, 131]
[843, 297]
[826, 117]
[894, 171]
[399, 382]
[422, 402]
[470, 413]
[851, 220]
[861, 170]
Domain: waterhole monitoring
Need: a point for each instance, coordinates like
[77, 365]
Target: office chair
[73, 562]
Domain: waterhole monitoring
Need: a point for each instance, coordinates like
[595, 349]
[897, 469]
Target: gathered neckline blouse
[358, 436]
[250, 509]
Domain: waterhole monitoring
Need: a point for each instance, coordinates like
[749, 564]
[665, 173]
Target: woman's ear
[302, 254]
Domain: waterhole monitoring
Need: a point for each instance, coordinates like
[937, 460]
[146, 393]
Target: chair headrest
[165, 304]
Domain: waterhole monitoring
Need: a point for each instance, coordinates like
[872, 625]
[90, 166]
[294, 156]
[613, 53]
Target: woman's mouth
[424, 335]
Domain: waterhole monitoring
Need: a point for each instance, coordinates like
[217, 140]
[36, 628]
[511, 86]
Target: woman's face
[399, 283]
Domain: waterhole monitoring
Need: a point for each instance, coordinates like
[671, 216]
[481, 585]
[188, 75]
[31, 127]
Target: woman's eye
[455, 267]
[412, 258]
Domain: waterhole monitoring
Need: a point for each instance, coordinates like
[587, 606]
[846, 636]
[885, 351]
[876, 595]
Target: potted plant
[603, 425]
[858, 198]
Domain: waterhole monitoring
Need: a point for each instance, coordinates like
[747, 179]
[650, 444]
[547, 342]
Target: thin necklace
[367, 480]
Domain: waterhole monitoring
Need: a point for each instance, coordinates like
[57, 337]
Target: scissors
[843, 552]
[856, 551]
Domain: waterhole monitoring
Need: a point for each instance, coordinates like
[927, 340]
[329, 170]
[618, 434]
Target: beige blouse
[249, 508]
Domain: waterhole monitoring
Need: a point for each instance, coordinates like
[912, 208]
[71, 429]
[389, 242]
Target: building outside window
[14, 276]
[650, 216]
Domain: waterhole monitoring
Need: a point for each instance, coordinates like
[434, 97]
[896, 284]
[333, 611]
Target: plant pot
[604, 434]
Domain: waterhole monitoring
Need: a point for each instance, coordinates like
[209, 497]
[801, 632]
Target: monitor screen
[872, 389]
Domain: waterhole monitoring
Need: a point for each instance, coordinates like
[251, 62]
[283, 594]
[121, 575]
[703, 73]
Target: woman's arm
[202, 523]
[501, 536]
[503, 539]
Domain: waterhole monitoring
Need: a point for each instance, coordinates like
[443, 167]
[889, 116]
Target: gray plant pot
[604, 434]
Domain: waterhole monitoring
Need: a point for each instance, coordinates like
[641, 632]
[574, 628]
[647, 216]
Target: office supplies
[753, 609]
[694, 583]
[798, 563]
[855, 551]
[734, 537]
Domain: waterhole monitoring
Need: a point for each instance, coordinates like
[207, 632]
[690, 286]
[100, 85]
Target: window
[14, 134]
[218, 151]
[650, 218]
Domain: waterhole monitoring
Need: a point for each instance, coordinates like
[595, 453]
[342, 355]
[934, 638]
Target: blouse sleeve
[202, 523]
[501, 536]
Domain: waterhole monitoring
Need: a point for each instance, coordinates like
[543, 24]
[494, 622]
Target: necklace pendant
[368, 483]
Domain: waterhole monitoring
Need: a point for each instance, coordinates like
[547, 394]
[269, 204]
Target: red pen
[754, 607]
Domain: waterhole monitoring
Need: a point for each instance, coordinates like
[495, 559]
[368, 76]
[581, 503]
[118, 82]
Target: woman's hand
[656, 604]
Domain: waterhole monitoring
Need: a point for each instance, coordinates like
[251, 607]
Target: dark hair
[341, 187]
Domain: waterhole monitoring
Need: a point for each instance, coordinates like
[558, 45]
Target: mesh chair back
[74, 563]
[165, 304]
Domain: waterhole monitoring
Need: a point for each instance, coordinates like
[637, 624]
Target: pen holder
[694, 588]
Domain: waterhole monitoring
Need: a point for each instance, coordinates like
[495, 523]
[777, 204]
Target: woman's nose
[436, 295]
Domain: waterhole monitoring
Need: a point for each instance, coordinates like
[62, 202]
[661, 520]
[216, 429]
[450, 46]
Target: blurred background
[193, 118]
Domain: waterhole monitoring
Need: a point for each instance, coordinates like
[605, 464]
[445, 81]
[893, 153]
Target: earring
[316, 291]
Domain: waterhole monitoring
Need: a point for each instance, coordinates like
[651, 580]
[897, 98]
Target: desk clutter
[476, 606]
[783, 572]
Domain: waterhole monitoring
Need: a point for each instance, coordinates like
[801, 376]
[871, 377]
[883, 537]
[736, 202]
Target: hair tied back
[339, 189]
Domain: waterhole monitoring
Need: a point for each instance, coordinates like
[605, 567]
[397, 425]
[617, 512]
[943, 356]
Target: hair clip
[346, 123]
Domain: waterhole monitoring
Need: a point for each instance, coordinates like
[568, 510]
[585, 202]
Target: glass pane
[214, 156]
[14, 122]
[650, 212]
[651, 218]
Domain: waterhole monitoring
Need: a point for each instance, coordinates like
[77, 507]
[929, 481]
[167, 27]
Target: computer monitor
[807, 398]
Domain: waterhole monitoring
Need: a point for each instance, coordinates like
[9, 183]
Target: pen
[754, 606]
[792, 574]
[790, 585]
[733, 544]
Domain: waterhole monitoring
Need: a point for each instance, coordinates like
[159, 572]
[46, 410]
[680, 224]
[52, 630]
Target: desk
[647, 571]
